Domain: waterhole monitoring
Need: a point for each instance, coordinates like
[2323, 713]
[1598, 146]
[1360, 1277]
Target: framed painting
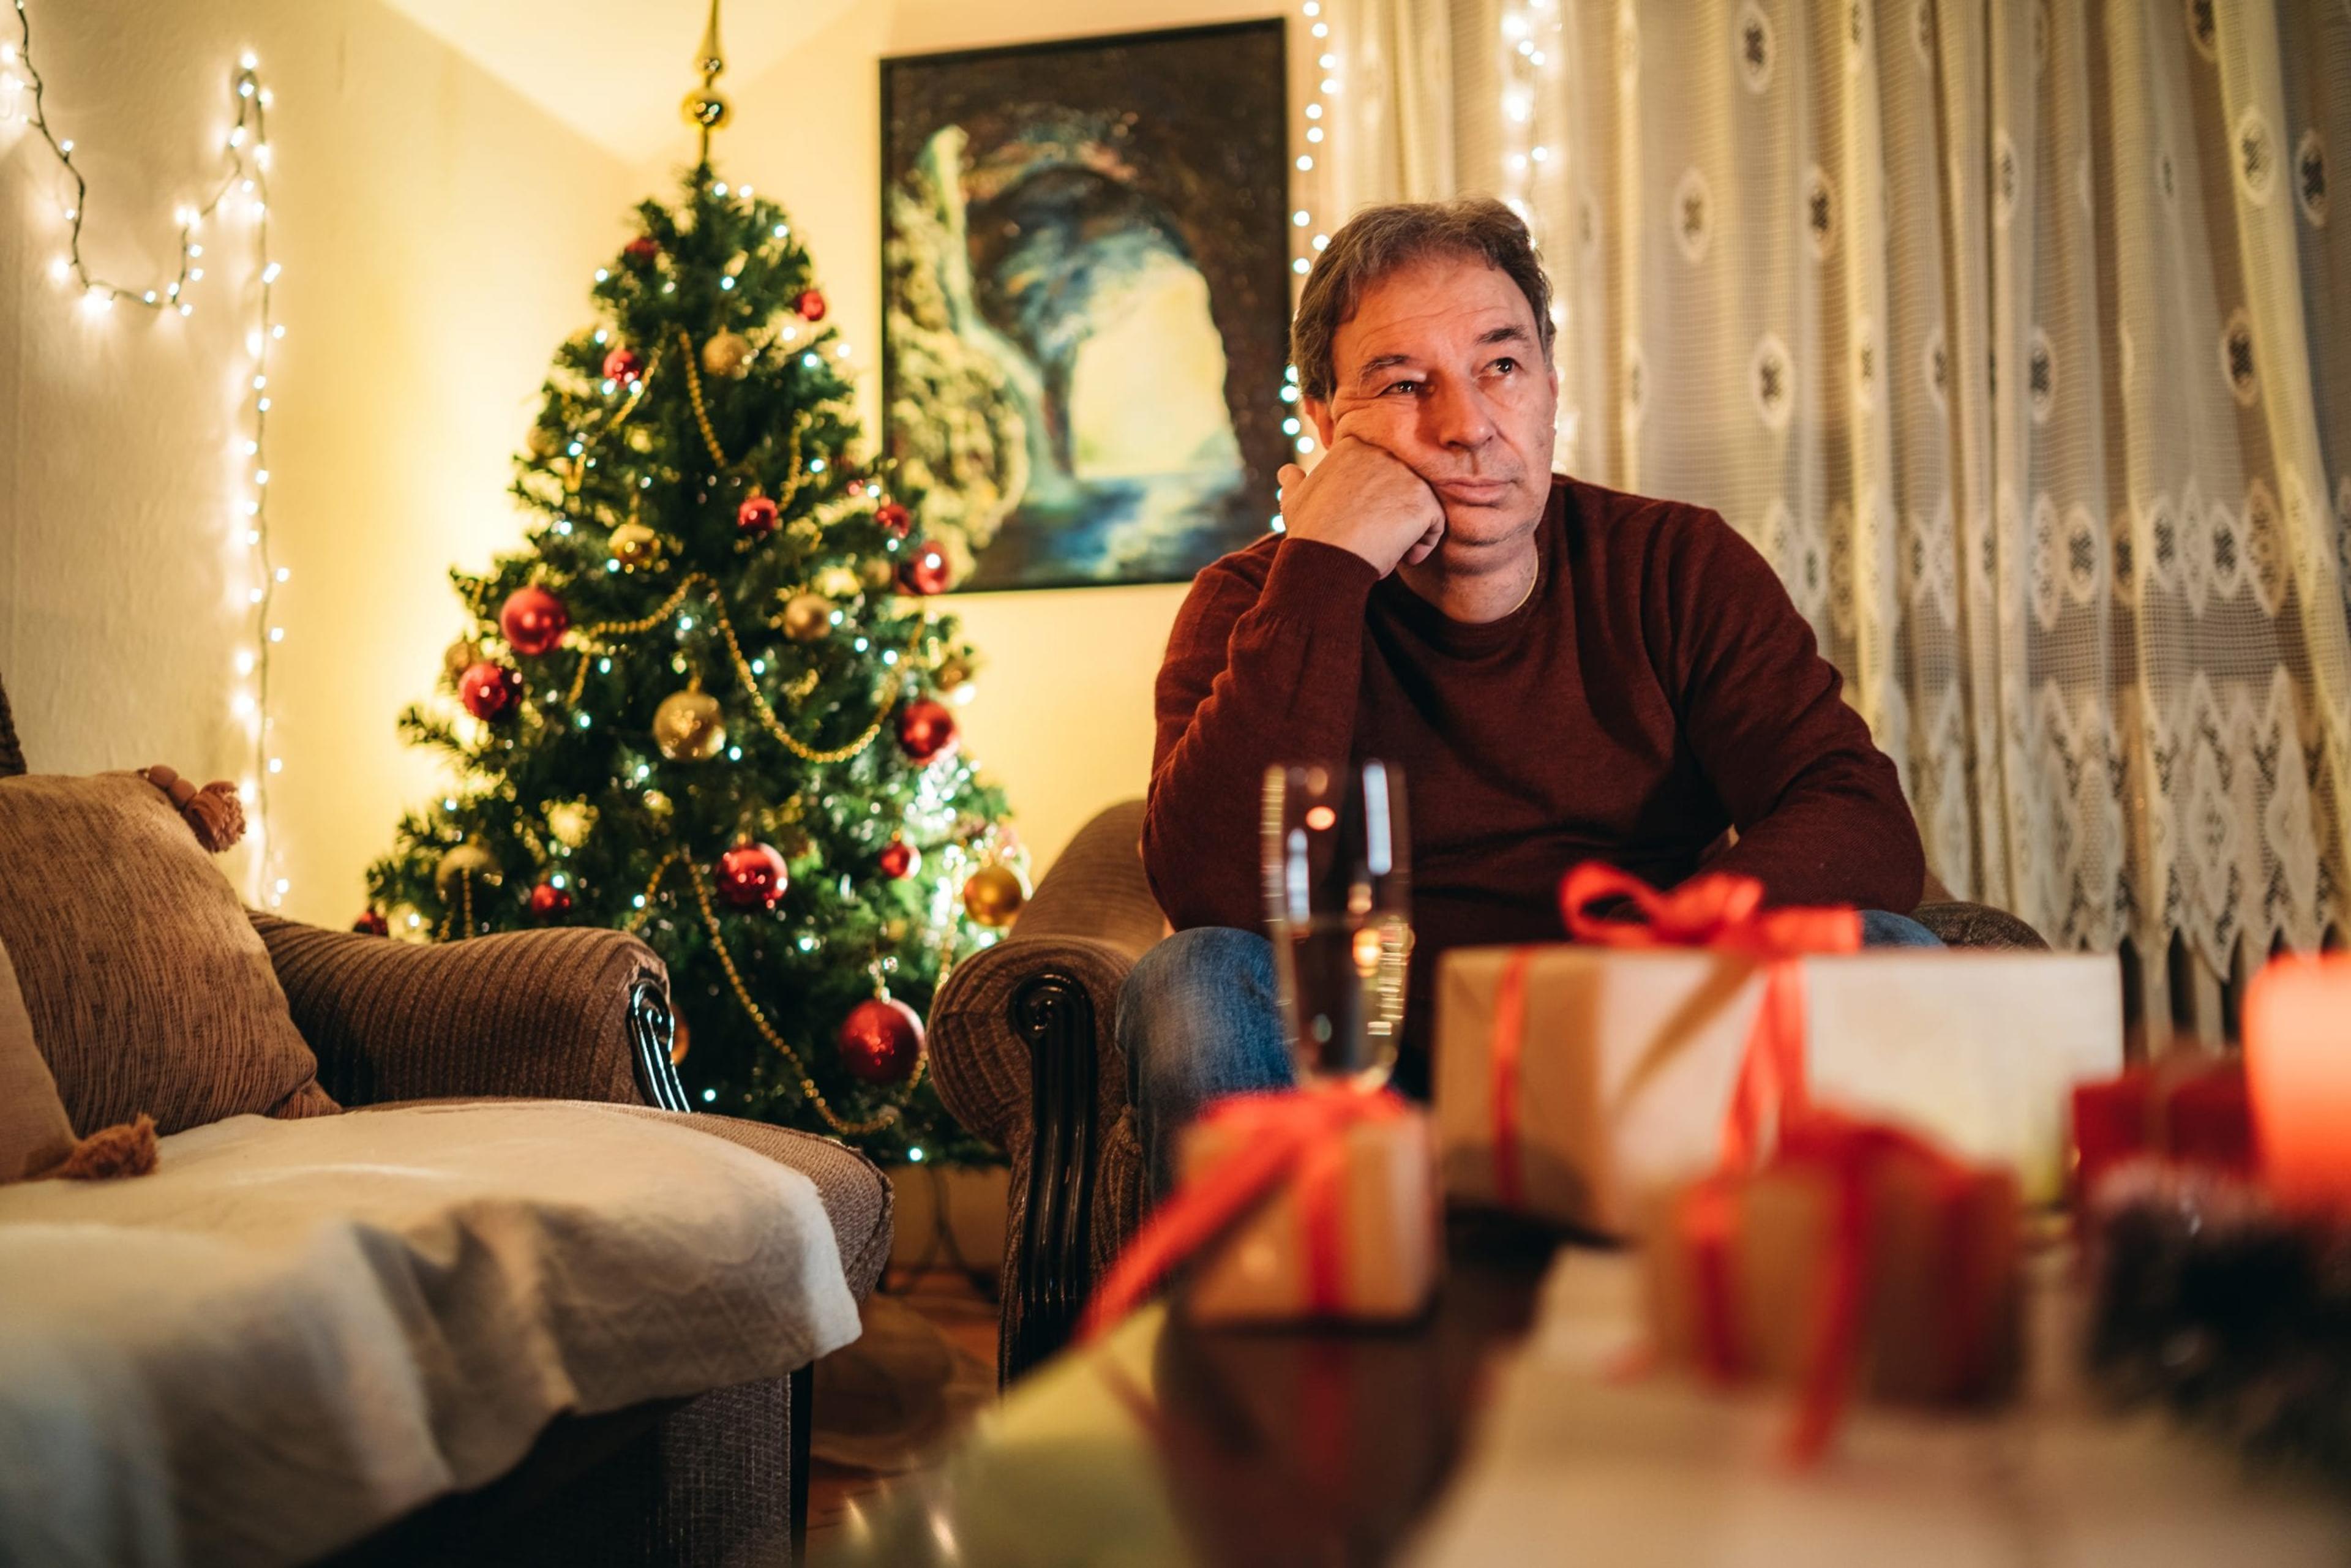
[1086, 301]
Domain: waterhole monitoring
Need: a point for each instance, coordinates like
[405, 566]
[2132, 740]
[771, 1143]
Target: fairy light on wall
[242, 196]
[1306, 237]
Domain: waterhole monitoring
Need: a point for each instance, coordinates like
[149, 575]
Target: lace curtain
[2018, 337]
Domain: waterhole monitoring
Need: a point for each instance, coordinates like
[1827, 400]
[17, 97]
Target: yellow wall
[437, 233]
[1063, 714]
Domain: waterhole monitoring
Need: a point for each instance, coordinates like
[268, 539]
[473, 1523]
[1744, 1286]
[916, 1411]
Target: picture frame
[1086, 301]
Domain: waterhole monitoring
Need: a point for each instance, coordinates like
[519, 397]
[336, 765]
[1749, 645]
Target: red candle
[2298, 1074]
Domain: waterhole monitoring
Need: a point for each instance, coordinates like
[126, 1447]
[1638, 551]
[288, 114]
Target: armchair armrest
[568, 1014]
[1024, 1049]
[1963, 925]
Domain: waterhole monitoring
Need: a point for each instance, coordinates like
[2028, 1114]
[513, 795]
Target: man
[1563, 673]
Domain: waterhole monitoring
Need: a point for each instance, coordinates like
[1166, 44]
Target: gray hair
[1381, 240]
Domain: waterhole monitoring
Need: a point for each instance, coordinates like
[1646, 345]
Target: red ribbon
[1718, 911]
[1852, 1153]
[1292, 1136]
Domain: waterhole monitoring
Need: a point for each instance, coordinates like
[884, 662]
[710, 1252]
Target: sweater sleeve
[1255, 675]
[1819, 808]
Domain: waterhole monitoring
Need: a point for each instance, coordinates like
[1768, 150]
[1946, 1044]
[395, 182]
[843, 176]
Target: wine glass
[1338, 902]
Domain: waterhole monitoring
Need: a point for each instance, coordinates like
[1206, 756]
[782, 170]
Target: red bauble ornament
[371, 923]
[489, 690]
[881, 1041]
[927, 730]
[810, 305]
[899, 859]
[623, 366]
[549, 901]
[894, 519]
[922, 569]
[753, 876]
[642, 250]
[756, 517]
[533, 620]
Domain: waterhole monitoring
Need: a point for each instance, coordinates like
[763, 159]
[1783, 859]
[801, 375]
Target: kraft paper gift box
[1939, 1318]
[1368, 1244]
[1627, 1060]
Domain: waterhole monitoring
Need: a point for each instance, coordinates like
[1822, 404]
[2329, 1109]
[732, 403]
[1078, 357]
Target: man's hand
[1364, 499]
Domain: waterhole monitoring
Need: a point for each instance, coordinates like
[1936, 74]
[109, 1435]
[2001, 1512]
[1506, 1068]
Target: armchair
[1024, 1048]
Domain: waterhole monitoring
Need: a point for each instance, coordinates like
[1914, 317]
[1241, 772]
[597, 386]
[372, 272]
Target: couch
[1024, 1049]
[709, 1475]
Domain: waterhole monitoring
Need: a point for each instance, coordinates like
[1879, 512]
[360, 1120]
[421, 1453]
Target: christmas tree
[705, 705]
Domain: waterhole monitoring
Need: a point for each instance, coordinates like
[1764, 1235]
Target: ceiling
[614, 71]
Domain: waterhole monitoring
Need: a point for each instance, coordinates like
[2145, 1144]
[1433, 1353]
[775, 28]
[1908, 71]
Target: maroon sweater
[1657, 688]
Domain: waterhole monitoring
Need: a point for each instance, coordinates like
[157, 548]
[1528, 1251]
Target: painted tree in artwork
[709, 701]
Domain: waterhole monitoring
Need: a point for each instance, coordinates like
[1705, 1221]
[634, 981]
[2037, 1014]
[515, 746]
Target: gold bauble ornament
[460, 656]
[952, 675]
[656, 804]
[808, 617]
[994, 894]
[633, 544]
[544, 442]
[467, 860]
[877, 573]
[688, 727]
[706, 107]
[835, 583]
[570, 822]
[726, 354]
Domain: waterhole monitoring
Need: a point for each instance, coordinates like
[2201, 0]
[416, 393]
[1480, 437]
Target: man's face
[1441, 364]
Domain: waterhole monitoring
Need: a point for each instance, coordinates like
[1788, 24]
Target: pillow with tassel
[149, 992]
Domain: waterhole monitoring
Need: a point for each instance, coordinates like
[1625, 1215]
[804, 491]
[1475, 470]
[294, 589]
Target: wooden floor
[948, 1300]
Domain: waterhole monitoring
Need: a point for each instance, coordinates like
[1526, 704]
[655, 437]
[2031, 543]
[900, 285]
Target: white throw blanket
[295, 1332]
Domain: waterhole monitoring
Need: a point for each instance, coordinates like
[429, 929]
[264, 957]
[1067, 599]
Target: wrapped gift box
[2185, 1109]
[1938, 1309]
[1628, 1058]
[1378, 1251]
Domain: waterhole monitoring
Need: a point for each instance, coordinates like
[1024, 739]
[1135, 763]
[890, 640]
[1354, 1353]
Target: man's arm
[1265, 669]
[1255, 674]
[1819, 808]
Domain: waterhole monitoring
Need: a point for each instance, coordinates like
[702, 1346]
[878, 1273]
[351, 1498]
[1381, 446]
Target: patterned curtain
[2018, 337]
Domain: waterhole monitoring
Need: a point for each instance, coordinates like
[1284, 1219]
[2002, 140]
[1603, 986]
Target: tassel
[127, 1150]
[214, 813]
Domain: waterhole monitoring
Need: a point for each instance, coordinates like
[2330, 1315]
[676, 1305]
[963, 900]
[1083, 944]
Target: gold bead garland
[794, 476]
[891, 687]
[888, 1114]
[442, 933]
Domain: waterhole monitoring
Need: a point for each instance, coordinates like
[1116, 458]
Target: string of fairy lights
[1532, 43]
[241, 196]
[1306, 241]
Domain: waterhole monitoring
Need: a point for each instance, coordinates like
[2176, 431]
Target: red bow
[1293, 1135]
[1719, 910]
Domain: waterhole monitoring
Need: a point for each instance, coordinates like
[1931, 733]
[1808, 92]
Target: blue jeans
[1198, 1020]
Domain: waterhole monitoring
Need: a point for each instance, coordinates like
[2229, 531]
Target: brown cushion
[34, 1132]
[147, 988]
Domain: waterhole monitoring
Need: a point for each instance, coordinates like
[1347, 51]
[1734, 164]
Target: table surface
[1166, 1443]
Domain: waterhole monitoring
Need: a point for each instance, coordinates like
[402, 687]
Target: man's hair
[1381, 240]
